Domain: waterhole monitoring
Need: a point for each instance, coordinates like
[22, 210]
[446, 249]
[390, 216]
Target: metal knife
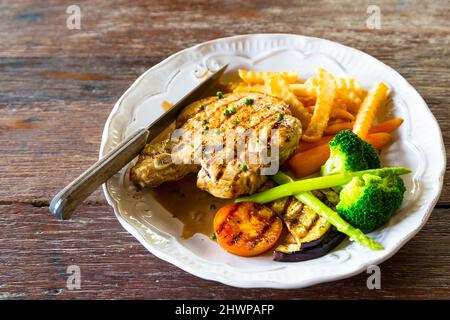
[65, 202]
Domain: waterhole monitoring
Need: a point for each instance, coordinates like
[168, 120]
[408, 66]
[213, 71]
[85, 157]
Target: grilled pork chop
[221, 176]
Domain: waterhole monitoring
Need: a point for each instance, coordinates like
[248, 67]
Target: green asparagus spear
[294, 187]
[332, 217]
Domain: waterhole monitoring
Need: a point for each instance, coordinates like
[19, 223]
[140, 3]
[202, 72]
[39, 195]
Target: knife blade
[65, 202]
[166, 119]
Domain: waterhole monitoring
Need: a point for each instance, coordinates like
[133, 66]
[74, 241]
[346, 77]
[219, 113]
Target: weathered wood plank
[43, 148]
[36, 251]
[63, 80]
[57, 86]
[140, 27]
[52, 122]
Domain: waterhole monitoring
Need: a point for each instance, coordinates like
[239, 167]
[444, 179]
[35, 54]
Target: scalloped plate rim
[267, 283]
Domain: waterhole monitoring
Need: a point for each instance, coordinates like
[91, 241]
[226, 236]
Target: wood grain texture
[36, 251]
[57, 87]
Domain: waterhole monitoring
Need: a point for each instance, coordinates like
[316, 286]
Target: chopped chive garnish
[204, 121]
[281, 116]
[244, 167]
[233, 109]
[201, 108]
[226, 112]
[219, 94]
[213, 236]
[236, 122]
[206, 128]
[248, 101]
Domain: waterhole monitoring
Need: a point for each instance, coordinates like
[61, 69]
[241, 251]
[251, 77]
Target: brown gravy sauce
[193, 207]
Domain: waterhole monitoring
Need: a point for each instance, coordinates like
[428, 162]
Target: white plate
[418, 145]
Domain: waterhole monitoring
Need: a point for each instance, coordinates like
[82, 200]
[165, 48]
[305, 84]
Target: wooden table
[57, 87]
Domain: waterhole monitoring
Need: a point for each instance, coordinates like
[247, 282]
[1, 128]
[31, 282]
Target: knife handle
[65, 202]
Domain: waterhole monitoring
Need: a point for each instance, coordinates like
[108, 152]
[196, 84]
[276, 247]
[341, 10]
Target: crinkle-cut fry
[336, 121]
[387, 126]
[336, 113]
[338, 127]
[231, 86]
[259, 77]
[279, 88]
[312, 81]
[344, 99]
[305, 93]
[349, 85]
[344, 84]
[301, 89]
[349, 99]
[375, 97]
[326, 92]
[252, 88]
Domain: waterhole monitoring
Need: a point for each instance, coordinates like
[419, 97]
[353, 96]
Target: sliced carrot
[378, 140]
[306, 145]
[338, 127]
[387, 126]
[375, 97]
[304, 163]
[309, 160]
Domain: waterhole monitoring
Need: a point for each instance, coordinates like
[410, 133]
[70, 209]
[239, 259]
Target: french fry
[348, 91]
[336, 121]
[258, 77]
[338, 127]
[337, 113]
[313, 81]
[278, 87]
[378, 140]
[342, 84]
[252, 88]
[231, 86]
[349, 99]
[301, 89]
[305, 93]
[387, 126]
[349, 85]
[375, 97]
[304, 163]
[339, 105]
[326, 92]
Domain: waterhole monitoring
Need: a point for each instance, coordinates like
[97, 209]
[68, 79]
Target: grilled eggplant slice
[310, 235]
[290, 251]
[303, 223]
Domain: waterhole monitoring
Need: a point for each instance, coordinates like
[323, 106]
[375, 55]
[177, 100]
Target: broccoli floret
[369, 202]
[348, 152]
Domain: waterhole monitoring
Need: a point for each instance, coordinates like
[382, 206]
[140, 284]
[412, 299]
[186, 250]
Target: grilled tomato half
[247, 228]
